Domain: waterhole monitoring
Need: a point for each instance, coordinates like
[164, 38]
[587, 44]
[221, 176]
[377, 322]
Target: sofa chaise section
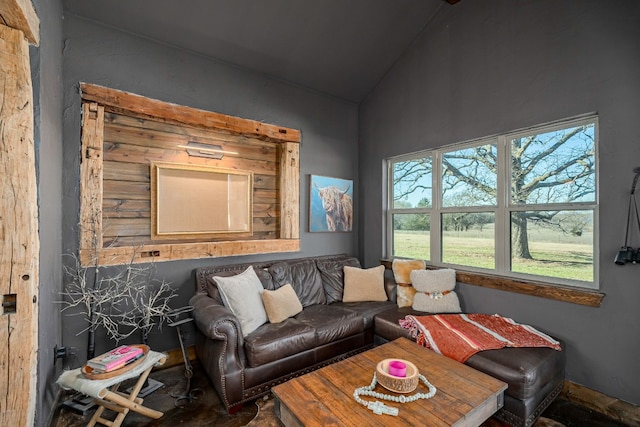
[535, 376]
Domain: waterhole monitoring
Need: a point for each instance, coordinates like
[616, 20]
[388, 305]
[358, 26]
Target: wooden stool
[106, 393]
[122, 403]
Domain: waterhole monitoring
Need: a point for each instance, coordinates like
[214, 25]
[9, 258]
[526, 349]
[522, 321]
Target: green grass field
[554, 254]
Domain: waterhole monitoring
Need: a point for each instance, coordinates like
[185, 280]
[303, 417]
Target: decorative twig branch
[122, 300]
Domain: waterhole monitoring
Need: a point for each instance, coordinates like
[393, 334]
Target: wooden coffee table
[464, 397]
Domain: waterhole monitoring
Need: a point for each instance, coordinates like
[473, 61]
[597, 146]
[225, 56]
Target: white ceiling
[339, 47]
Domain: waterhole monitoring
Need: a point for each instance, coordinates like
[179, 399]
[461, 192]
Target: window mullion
[502, 228]
[390, 210]
[436, 216]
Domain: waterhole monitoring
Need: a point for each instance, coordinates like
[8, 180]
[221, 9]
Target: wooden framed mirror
[190, 201]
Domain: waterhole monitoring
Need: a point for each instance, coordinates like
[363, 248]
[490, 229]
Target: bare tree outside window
[555, 167]
[412, 183]
[469, 176]
[412, 195]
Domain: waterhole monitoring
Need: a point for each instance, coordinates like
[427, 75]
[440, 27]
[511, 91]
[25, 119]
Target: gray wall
[100, 55]
[481, 68]
[46, 70]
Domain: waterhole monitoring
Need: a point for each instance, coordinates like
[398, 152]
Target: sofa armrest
[217, 322]
[390, 286]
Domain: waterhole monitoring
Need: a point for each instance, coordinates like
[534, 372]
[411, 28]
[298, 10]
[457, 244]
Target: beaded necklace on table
[380, 408]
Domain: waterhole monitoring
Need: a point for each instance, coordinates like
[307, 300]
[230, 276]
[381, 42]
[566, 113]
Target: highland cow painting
[331, 204]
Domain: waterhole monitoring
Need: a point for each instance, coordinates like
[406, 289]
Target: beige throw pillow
[241, 295]
[434, 291]
[364, 284]
[402, 269]
[281, 303]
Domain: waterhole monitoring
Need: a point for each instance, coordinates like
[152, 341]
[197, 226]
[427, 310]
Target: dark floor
[570, 414]
[207, 410]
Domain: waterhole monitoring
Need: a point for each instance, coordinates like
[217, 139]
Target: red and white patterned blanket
[460, 336]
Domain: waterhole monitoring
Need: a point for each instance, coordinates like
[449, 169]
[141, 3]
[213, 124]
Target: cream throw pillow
[281, 303]
[434, 291]
[364, 284]
[402, 269]
[241, 295]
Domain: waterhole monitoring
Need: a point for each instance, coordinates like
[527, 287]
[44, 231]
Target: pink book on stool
[115, 358]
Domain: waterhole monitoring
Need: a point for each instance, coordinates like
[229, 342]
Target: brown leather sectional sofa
[244, 368]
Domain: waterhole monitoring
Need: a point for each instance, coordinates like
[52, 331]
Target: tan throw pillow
[402, 269]
[364, 284]
[241, 295]
[405, 293]
[281, 303]
[434, 291]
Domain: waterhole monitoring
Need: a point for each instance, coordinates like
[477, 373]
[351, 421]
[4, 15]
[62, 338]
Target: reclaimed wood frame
[98, 99]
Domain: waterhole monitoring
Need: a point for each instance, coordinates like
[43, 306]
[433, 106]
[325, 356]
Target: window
[522, 204]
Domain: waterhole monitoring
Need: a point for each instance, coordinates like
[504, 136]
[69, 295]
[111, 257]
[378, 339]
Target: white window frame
[503, 208]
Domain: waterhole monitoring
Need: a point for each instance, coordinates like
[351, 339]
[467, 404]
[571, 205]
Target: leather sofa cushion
[303, 276]
[275, 341]
[332, 274]
[330, 322]
[527, 370]
[366, 309]
[386, 323]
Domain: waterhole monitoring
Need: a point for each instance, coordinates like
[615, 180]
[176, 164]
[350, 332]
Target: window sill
[586, 297]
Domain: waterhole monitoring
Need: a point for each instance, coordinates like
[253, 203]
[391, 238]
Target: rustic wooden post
[290, 193]
[19, 242]
[91, 183]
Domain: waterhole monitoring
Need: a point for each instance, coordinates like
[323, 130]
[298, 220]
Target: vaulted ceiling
[339, 47]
